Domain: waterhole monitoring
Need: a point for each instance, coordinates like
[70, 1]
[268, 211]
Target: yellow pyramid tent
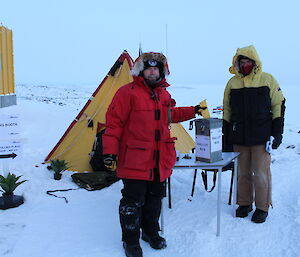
[184, 142]
[76, 143]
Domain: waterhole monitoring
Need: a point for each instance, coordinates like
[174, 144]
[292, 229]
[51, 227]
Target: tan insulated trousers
[254, 176]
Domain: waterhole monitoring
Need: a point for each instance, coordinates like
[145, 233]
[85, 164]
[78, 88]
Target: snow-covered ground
[88, 226]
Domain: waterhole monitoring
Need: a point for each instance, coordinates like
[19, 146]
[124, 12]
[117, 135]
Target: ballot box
[208, 140]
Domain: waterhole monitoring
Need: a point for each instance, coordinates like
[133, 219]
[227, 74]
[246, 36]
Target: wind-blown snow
[88, 225]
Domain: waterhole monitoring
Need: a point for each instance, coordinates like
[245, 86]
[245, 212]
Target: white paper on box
[216, 139]
[203, 146]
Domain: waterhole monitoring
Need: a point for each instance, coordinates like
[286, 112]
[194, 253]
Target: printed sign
[9, 127]
[216, 139]
[10, 142]
[203, 146]
[10, 147]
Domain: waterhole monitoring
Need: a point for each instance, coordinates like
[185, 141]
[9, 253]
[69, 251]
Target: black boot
[150, 216]
[242, 211]
[259, 216]
[130, 222]
[134, 250]
[156, 242]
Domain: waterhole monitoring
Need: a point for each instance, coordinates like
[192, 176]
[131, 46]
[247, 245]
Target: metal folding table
[227, 157]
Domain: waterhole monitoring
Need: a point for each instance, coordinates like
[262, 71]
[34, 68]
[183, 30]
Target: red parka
[138, 132]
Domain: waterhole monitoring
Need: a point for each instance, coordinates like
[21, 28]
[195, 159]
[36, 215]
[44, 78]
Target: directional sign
[4, 156]
[10, 141]
[10, 147]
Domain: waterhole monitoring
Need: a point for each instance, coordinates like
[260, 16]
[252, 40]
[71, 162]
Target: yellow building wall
[7, 83]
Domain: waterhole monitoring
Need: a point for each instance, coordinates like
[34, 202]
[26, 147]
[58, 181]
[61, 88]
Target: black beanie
[155, 63]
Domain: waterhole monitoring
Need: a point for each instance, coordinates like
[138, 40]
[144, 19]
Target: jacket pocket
[167, 153]
[139, 155]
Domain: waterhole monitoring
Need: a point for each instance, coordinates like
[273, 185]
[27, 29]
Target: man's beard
[152, 83]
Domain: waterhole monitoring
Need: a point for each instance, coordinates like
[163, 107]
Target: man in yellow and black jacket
[254, 109]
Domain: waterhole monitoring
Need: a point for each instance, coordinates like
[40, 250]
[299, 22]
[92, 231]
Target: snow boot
[130, 221]
[132, 250]
[242, 211]
[259, 216]
[156, 242]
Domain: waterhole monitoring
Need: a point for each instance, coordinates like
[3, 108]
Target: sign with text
[203, 146]
[10, 148]
[9, 127]
[10, 133]
[216, 139]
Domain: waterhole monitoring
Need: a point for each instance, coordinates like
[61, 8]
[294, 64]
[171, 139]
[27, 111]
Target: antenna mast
[167, 40]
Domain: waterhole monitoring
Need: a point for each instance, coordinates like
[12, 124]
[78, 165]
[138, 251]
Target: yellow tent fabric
[7, 84]
[184, 142]
[76, 143]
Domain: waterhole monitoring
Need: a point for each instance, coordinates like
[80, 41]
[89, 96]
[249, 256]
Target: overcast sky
[76, 42]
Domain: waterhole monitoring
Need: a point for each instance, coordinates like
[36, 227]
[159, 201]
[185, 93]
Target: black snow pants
[140, 207]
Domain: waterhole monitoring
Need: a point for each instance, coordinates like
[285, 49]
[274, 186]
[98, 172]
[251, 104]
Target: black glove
[110, 161]
[199, 109]
[277, 140]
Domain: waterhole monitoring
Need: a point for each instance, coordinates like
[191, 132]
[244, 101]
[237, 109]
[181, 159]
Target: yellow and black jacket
[253, 105]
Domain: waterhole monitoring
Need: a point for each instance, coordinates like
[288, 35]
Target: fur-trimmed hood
[139, 63]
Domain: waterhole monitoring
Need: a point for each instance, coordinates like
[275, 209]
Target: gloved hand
[277, 140]
[199, 109]
[110, 161]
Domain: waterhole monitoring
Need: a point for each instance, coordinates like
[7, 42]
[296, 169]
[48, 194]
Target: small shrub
[58, 166]
[10, 183]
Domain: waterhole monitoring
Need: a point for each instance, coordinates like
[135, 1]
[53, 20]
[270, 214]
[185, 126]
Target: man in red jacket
[137, 144]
